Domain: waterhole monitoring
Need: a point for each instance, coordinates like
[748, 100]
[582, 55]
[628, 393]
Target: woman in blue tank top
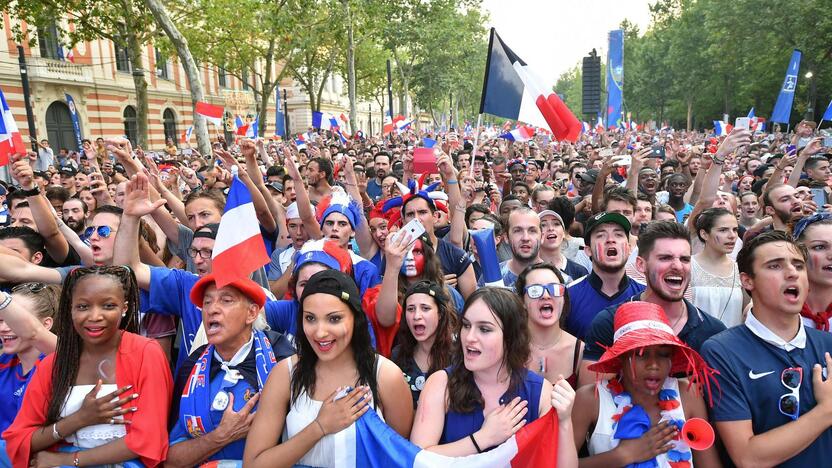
[488, 395]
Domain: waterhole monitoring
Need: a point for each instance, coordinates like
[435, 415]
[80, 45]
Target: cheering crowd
[625, 283]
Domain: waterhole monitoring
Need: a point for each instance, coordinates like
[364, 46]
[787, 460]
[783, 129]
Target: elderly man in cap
[219, 384]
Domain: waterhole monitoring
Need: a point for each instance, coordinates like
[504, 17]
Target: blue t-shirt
[681, 215]
[586, 300]
[12, 386]
[453, 259]
[574, 271]
[509, 278]
[697, 330]
[374, 190]
[170, 294]
[750, 387]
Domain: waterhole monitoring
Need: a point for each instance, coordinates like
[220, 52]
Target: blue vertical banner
[76, 126]
[783, 107]
[615, 78]
[279, 122]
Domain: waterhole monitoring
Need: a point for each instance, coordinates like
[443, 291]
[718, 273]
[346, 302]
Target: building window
[222, 77]
[246, 86]
[169, 122]
[131, 128]
[162, 65]
[49, 43]
[122, 58]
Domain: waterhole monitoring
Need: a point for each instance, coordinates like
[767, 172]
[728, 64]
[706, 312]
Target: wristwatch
[31, 192]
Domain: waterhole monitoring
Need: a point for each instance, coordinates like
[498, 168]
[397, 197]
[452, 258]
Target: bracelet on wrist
[30, 192]
[474, 441]
[55, 434]
[451, 182]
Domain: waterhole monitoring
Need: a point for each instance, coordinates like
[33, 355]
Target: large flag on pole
[615, 78]
[73, 114]
[828, 114]
[511, 89]
[10, 140]
[279, 122]
[783, 107]
[239, 248]
[211, 112]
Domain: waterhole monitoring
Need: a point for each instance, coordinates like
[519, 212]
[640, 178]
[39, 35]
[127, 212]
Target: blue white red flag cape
[722, 128]
[211, 112]
[10, 140]
[511, 89]
[239, 248]
[523, 133]
[428, 142]
[370, 443]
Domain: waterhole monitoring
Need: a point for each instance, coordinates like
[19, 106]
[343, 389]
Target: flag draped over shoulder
[511, 89]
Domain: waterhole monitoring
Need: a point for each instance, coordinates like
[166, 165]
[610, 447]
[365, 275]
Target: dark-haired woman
[553, 351]
[334, 357]
[715, 279]
[105, 399]
[489, 395]
[428, 335]
[25, 321]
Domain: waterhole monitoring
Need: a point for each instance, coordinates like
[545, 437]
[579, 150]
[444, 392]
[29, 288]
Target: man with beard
[607, 243]
[319, 176]
[782, 204]
[381, 164]
[74, 214]
[524, 238]
[665, 260]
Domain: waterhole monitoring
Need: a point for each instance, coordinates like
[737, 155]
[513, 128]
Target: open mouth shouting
[472, 352]
[791, 294]
[547, 310]
[675, 282]
[213, 327]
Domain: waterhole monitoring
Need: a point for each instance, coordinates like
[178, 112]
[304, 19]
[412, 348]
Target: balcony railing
[58, 70]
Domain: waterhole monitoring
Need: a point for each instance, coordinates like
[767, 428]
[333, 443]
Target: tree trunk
[191, 71]
[135, 47]
[350, 65]
[690, 113]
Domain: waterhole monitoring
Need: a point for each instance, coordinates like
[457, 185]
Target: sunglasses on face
[535, 291]
[789, 403]
[102, 231]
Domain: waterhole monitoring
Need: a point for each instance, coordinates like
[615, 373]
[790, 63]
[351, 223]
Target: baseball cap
[276, 186]
[589, 176]
[604, 218]
[68, 171]
[335, 283]
[550, 213]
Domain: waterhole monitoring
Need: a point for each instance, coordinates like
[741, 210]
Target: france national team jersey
[750, 383]
[169, 294]
[12, 386]
[586, 300]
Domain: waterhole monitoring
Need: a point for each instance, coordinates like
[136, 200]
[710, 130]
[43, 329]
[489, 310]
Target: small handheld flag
[211, 112]
[10, 140]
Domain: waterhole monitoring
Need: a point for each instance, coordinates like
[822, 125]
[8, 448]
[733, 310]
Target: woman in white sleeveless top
[302, 405]
[637, 415]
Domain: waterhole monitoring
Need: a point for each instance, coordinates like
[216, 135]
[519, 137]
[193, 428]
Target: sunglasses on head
[30, 287]
[535, 291]
[102, 231]
[789, 403]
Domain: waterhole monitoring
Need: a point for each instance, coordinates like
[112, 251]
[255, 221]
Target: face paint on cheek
[599, 252]
[655, 278]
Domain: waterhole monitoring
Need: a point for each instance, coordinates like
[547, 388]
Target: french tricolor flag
[371, 443]
[186, 135]
[722, 128]
[512, 90]
[403, 124]
[211, 112]
[522, 133]
[324, 121]
[239, 248]
[586, 127]
[10, 140]
[599, 125]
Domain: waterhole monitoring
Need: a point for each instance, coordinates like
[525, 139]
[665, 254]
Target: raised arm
[365, 241]
[25, 325]
[396, 247]
[13, 269]
[136, 205]
[456, 204]
[56, 244]
[310, 224]
[807, 152]
[277, 211]
[737, 139]
[264, 216]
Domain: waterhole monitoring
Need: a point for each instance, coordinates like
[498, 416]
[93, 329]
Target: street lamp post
[24, 78]
[810, 107]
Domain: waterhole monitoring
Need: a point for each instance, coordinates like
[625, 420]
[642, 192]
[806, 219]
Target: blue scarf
[197, 399]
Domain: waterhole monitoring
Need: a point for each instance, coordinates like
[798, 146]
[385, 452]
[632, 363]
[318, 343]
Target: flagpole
[476, 140]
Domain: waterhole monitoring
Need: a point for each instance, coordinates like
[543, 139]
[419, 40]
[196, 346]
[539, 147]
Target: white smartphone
[622, 160]
[187, 151]
[414, 228]
[742, 123]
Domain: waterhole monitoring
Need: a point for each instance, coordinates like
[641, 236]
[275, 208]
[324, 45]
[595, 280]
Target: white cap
[292, 211]
[549, 213]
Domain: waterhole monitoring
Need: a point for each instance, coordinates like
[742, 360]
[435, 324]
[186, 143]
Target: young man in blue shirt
[608, 245]
[774, 406]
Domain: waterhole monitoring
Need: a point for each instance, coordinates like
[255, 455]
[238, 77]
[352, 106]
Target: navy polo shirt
[750, 387]
[586, 300]
[698, 329]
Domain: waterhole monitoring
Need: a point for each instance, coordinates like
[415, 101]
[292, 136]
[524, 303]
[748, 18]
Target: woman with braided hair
[105, 401]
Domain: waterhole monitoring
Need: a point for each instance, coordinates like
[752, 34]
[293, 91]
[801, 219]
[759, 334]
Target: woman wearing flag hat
[334, 379]
[488, 395]
[219, 384]
[638, 415]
